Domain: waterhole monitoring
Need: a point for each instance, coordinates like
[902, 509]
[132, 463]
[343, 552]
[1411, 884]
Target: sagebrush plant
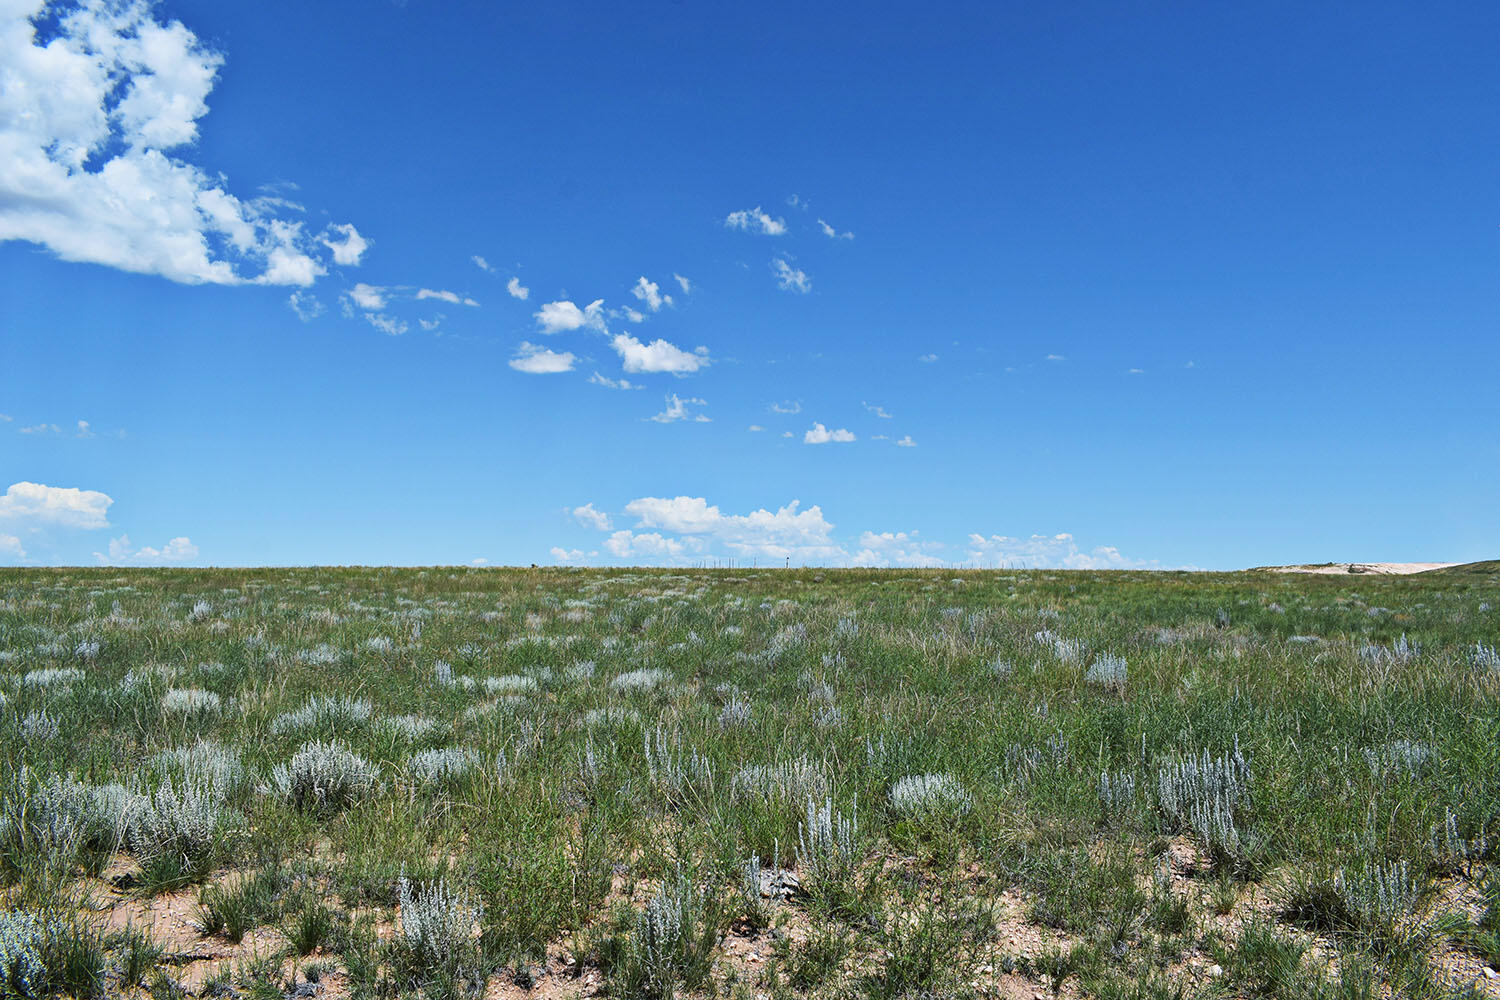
[555, 746]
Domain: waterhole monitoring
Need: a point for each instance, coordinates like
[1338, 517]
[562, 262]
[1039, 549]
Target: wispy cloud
[791, 279]
[443, 295]
[879, 411]
[677, 409]
[833, 233]
[481, 263]
[612, 383]
[754, 220]
[684, 284]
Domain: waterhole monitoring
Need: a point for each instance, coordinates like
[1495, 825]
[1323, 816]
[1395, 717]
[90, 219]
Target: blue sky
[1069, 285]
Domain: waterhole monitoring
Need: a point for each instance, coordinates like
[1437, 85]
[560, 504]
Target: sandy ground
[1382, 568]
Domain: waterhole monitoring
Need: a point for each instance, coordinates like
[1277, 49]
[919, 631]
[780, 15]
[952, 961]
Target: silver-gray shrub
[1486, 658]
[1108, 671]
[789, 781]
[324, 777]
[190, 702]
[930, 797]
[1203, 794]
[1381, 895]
[735, 713]
[1400, 758]
[437, 921]
[23, 940]
[673, 771]
[442, 767]
[56, 818]
[643, 679]
[181, 820]
[1117, 793]
[325, 714]
[412, 728]
[209, 763]
[510, 684]
[828, 846]
[38, 727]
[668, 937]
[51, 677]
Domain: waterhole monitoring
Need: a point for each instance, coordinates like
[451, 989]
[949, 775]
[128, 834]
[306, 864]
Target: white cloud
[876, 409]
[121, 552]
[517, 290]
[624, 544]
[484, 265]
[898, 548]
[755, 428]
[534, 359]
[1135, 371]
[649, 292]
[755, 221]
[684, 284]
[832, 233]
[431, 324]
[40, 429]
[89, 116]
[591, 518]
[84, 430]
[305, 306]
[348, 249]
[633, 315]
[1056, 357]
[928, 359]
[6, 418]
[1049, 552]
[371, 298]
[790, 406]
[480, 561]
[559, 317]
[791, 279]
[387, 324]
[822, 435]
[443, 295]
[613, 383]
[677, 409]
[787, 532]
[906, 442]
[34, 505]
[658, 356]
[563, 555]
[10, 547]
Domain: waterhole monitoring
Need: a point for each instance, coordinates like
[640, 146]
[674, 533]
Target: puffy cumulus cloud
[92, 108]
[35, 505]
[591, 518]
[613, 383]
[788, 532]
[791, 279]
[625, 544]
[122, 553]
[517, 290]
[819, 434]
[534, 359]
[832, 233]
[677, 409]
[11, 548]
[649, 292]
[1049, 552]
[658, 356]
[443, 295]
[562, 316]
[897, 548]
[754, 220]
[567, 556]
[369, 297]
[346, 243]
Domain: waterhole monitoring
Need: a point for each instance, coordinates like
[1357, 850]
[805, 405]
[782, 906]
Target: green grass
[582, 737]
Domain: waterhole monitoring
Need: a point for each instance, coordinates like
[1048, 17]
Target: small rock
[1490, 973]
[1216, 971]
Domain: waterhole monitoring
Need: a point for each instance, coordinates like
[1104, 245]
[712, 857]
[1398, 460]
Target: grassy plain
[448, 782]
